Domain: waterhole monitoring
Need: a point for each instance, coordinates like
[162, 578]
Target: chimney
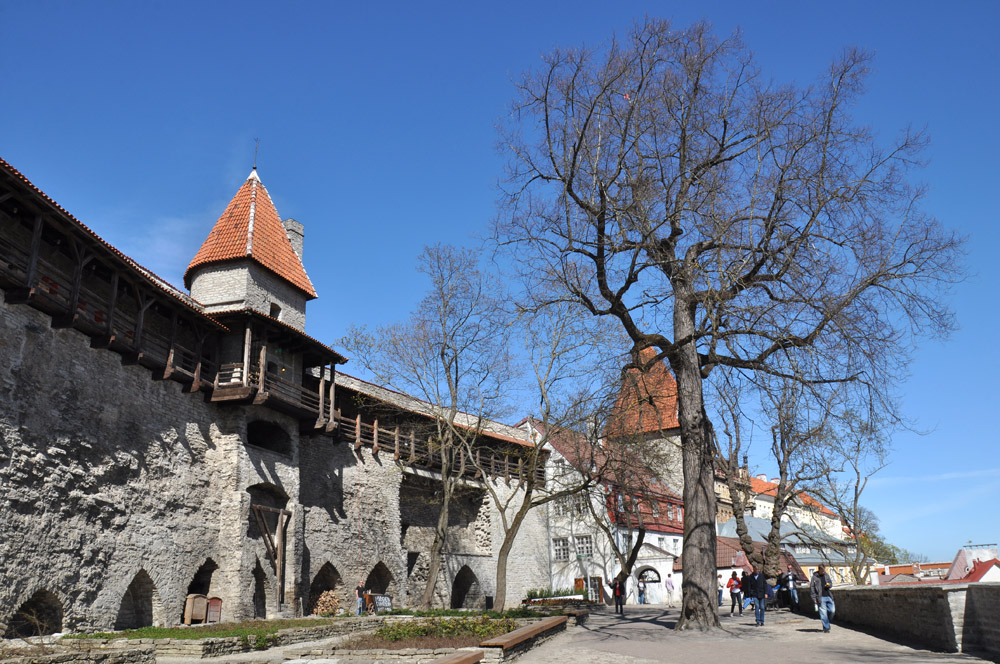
[296, 234]
[762, 477]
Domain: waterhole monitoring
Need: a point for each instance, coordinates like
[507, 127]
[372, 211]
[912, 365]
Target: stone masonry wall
[245, 285]
[981, 629]
[107, 476]
[946, 617]
[115, 489]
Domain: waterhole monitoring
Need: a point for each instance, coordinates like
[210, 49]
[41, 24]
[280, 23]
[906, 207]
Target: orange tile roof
[647, 401]
[251, 228]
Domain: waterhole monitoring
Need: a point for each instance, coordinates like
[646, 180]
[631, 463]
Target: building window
[560, 549]
[656, 508]
[275, 311]
[584, 545]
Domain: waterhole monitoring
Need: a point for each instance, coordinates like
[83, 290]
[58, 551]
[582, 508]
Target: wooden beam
[27, 290]
[247, 338]
[105, 340]
[82, 258]
[375, 447]
[196, 380]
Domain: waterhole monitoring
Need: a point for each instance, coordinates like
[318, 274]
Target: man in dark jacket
[757, 588]
[819, 588]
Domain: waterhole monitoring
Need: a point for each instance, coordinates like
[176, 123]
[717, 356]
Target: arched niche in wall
[269, 496]
[42, 614]
[261, 590]
[269, 436]
[328, 578]
[140, 605]
[465, 591]
[201, 584]
[380, 580]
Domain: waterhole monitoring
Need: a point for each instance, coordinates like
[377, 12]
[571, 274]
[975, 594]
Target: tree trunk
[437, 547]
[698, 607]
[500, 599]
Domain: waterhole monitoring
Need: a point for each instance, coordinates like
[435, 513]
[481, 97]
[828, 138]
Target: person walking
[669, 585]
[790, 580]
[757, 588]
[641, 589]
[734, 593]
[722, 589]
[618, 590]
[745, 590]
[819, 589]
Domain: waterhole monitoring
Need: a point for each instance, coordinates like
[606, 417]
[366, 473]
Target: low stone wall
[944, 617]
[132, 655]
[202, 648]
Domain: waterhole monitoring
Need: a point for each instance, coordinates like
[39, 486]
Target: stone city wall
[944, 617]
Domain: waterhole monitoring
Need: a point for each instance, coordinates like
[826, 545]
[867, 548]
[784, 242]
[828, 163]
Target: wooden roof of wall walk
[39, 203]
[315, 352]
[409, 404]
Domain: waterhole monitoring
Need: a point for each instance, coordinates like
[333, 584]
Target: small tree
[452, 353]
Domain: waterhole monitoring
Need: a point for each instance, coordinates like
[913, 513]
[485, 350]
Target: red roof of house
[647, 401]
[251, 228]
[765, 488]
[980, 568]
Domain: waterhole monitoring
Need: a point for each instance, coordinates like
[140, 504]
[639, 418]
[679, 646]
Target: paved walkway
[645, 634]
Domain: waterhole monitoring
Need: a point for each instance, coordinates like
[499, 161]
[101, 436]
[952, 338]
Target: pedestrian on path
[735, 594]
[642, 591]
[669, 585]
[722, 588]
[618, 590]
[819, 588]
[757, 588]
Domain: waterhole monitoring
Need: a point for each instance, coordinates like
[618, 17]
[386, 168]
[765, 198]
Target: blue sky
[376, 123]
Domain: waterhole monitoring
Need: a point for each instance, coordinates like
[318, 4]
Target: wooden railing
[410, 449]
[290, 392]
[53, 294]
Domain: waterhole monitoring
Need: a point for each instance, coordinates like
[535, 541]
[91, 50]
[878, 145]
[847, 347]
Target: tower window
[275, 311]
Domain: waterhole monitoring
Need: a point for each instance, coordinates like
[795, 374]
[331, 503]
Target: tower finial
[256, 147]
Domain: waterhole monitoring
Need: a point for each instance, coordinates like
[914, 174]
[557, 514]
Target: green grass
[260, 629]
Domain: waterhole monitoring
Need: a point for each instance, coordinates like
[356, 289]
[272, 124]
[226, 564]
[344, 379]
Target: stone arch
[268, 495]
[327, 578]
[465, 590]
[41, 614]
[269, 436]
[261, 591]
[201, 583]
[648, 574]
[380, 580]
[140, 605]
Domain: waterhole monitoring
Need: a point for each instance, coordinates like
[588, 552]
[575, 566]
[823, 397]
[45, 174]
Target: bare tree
[452, 353]
[724, 220]
[568, 363]
[858, 452]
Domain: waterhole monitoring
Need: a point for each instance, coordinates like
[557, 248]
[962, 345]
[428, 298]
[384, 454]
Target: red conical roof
[647, 401]
[251, 228]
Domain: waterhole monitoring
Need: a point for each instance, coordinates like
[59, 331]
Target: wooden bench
[579, 615]
[526, 633]
[461, 657]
